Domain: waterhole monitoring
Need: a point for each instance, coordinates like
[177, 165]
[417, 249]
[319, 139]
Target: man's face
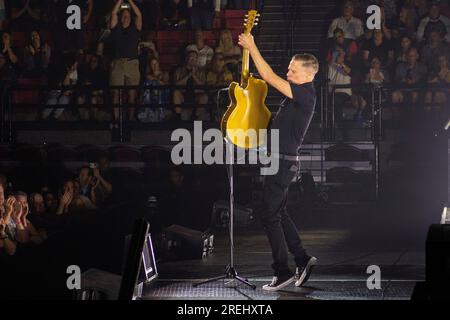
[199, 37]
[69, 187]
[297, 73]
[435, 12]
[38, 204]
[378, 35]
[125, 18]
[49, 200]
[406, 43]
[339, 37]
[23, 201]
[412, 56]
[347, 10]
[84, 176]
[191, 59]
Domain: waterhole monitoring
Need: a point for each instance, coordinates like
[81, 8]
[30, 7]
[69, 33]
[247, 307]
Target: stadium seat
[89, 152]
[59, 153]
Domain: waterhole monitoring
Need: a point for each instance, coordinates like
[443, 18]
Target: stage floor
[340, 275]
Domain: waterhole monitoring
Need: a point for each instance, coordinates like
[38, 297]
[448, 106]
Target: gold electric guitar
[247, 114]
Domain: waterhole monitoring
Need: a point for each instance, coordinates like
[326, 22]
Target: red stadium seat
[89, 152]
[169, 46]
[19, 39]
[234, 14]
[29, 97]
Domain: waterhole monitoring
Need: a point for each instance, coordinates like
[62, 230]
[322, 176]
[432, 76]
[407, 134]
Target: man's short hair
[308, 61]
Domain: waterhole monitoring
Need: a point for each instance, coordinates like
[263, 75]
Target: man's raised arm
[264, 70]
[137, 12]
[114, 18]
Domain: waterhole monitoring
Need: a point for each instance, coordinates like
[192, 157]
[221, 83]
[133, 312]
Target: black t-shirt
[381, 51]
[294, 117]
[125, 41]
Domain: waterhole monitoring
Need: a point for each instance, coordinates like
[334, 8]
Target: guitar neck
[245, 67]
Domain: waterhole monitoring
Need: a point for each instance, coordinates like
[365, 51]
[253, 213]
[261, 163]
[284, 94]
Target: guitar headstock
[251, 20]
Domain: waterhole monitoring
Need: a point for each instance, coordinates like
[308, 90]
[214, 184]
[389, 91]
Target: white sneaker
[279, 283]
[302, 273]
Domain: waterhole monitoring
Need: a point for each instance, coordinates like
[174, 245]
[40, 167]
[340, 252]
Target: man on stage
[292, 121]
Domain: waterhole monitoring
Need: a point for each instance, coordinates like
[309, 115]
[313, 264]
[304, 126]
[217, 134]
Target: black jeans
[281, 230]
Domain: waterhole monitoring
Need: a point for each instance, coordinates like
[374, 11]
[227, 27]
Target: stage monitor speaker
[185, 243]
[220, 217]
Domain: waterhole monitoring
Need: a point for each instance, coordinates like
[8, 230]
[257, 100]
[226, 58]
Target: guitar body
[247, 111]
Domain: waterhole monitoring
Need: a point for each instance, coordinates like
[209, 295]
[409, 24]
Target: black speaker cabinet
[438, 257]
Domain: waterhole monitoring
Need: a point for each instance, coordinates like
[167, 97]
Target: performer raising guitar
[292, 121]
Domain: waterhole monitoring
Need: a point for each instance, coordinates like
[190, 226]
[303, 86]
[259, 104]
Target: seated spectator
[26, 232]
[8, 243]
[203, 13]
[339, 41]
[380, 48]
[61, 76]
[7, 73]
[204, 52]
[94, 75]
[93, 186]
[50, 202]
[36, 55]
[436, 99]
[377, 75]
[9, 52]
[189, 75]
[102, 188]
[154, 77]
[231, 52]
[66, 196]
[411, 72]
[352, 27]
[218, 74]
[402, 52]
[125, 67]
[405, 25]
[146, 51]
[435, 21]
[25, 15]
[434, 48]
[339, 73]
[174, 14]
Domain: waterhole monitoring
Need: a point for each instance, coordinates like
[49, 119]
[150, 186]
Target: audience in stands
[411, 72]
[36, 57]
[380, 48]
[352, 26]
[435, 100]
[203, 13]
[61, 76]
[8, 243]
[231, 52]
[146, 51]
[401, 53]
[154, 77]
[125, 67]
[432, 50]
[189, 75]
[93, 74]
[9, 51]
[340, 73]
[340, 42]
[204, 52]
[435, 21]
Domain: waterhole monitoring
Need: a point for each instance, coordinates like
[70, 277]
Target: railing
[378, 98]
